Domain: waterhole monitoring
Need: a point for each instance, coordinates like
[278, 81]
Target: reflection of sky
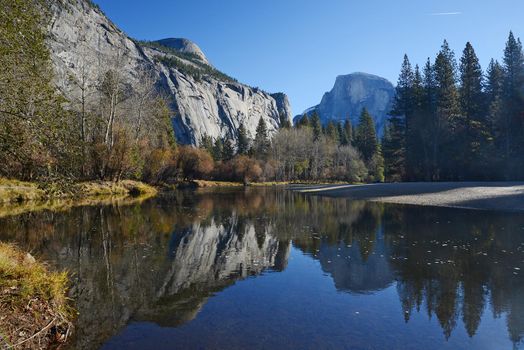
[301, 308]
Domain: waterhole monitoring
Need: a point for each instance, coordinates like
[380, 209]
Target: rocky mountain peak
[351, 93]
[184, 46]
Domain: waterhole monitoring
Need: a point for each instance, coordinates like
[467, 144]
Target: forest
[452, 121]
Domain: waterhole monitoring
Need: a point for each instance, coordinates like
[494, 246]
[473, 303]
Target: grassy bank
[14, 191]
[34, 310]
[121, 188]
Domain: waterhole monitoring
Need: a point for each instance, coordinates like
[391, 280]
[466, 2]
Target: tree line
[452, 121]
[308, 151]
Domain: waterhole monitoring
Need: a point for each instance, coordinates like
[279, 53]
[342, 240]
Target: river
[266, 268]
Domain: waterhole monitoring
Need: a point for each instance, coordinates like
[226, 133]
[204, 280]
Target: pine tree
[470, 128]
[242, 140]
[303, 122]
[316, 124]
[511, 129]
[218, 149]
[417, 163]
[261, 144]
[228, 151]
[366, 136]
[429, 112]
[343, 139]
[206, 143]
[494, 100]
[447, 111]
[400, 135]
[332, 131]
[37, 136]
[348, 131]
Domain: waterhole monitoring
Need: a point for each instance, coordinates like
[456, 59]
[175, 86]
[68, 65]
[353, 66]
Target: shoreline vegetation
[15, 191]
[35, 312]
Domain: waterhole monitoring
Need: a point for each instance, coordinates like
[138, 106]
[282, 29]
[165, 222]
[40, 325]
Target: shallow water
[268, 268]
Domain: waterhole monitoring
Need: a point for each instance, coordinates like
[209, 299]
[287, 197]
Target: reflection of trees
[162, 259]
[454, 261]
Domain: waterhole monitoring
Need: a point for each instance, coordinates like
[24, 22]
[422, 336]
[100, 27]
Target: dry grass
[12, 191]
[108, 188]
[34, 311]
[206, 183]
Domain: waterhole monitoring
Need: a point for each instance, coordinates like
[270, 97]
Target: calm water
[266, 268]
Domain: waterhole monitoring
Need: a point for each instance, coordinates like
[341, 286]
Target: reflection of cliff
[207, 258]
[351, 272]
[209, 253]
[146, 262]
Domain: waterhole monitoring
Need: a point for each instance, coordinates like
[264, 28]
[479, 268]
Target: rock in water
[353, 92]
[84, 43]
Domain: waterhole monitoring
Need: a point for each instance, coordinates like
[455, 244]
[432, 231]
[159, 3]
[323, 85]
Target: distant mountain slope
[353, 92]
[84, 42]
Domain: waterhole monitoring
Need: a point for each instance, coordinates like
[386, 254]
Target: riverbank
[209, 183]
[34, 308]
[504, 196]
[15, 191]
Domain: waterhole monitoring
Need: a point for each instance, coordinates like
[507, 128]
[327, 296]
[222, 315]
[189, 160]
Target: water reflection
[160, 261]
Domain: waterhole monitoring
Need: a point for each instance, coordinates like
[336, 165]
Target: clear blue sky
[300, 46]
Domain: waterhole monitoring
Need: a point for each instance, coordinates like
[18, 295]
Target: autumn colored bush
[193, 163]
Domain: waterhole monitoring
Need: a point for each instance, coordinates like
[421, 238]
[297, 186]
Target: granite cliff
[84, 42]
[353, 92]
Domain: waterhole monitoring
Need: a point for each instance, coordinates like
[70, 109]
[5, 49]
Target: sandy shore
[506, 196]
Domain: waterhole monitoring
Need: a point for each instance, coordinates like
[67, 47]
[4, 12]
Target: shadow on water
[162, 260]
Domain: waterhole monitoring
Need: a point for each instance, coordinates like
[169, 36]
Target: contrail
[445, 14]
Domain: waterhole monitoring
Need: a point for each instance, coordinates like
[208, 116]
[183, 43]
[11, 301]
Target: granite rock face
[353, 92]
[185, 46]
[84, 44]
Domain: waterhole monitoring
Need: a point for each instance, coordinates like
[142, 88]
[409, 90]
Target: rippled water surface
[269, 269]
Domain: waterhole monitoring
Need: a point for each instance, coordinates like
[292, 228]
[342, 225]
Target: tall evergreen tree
[303, 121]
[512, 126]
[206, 143]
[470, 129]
[316, 124]
[348, 131]
[343, 139]
[227, 150]
[429, 113]
[366, 136]
[399, 135]
[494, 119]
[332, 131]
[447, 111]
[218, 149]
[261, 143]
[37, 136]
[243, 140]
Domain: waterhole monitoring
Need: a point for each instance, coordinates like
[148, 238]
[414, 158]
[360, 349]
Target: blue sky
[300, 46]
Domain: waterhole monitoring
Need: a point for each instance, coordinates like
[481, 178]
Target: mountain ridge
[205, 101]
